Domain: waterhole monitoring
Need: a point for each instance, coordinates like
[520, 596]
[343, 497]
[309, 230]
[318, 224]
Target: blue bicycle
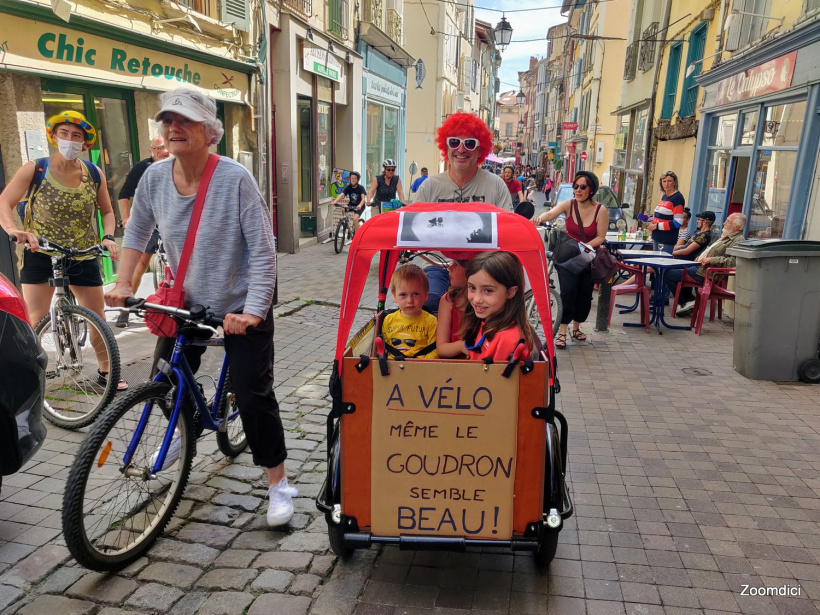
[131, 470]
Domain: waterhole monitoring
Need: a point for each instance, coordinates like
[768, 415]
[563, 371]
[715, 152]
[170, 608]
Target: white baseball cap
[187, 107]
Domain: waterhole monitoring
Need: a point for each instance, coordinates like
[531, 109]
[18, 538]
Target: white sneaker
[173, 451]
[684, 309]
[280, 508]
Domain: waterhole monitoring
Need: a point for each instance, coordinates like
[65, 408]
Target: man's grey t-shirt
[485, 187]
[233, 263]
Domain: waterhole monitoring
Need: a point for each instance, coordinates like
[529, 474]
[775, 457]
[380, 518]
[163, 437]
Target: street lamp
[502, 33]
[520, 97]
[520, 126]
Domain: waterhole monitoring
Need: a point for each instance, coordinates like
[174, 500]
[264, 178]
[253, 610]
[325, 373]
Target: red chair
[628, 289]
[687, 282]
[713, 293]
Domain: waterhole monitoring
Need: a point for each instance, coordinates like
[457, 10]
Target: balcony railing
[647, 56]
[338, 14]
[394, 26]
[374, 13]
[304, 7]
[631, 62]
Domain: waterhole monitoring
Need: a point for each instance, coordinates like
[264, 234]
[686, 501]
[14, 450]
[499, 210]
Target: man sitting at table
[697, 243]
[715, 256]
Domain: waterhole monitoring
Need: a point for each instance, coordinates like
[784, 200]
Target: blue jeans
[673, 276]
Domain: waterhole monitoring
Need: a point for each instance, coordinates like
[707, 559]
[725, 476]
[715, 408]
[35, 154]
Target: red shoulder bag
[170, 292]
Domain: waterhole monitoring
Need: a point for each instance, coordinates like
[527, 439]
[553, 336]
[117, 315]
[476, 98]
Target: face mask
[71, 150]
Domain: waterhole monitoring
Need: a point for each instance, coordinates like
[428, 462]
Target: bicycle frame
[178, 366]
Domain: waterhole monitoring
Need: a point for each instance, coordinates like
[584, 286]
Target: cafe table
[615, 243]
[661, 265]
[627, 254]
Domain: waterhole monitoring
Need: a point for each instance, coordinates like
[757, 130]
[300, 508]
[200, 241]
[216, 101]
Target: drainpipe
[651, 116]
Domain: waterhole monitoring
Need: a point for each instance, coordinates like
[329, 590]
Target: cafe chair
[638, 288]
[713, 294]
[687, 282]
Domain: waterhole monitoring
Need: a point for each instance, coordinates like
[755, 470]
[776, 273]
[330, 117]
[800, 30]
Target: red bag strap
[196, 214]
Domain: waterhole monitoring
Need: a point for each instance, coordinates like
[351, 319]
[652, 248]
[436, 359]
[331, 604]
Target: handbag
[170, 292]
[603, 264]
[571, 255]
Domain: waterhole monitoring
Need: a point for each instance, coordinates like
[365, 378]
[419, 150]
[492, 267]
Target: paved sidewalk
[689, 482]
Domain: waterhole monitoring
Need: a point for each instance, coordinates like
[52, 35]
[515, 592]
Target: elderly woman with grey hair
[232, 270]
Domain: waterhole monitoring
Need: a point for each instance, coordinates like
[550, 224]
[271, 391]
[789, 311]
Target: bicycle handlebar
[198, 314]
[48, 244]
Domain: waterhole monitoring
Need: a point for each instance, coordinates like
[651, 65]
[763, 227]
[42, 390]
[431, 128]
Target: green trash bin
[777, 307]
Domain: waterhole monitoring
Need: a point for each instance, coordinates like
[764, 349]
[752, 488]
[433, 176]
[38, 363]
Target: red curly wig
[465, 125]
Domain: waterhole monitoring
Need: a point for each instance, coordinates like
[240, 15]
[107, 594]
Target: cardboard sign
[443, 450]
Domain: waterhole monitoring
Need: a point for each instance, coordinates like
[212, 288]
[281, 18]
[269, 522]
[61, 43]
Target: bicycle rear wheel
[233, 440]
[74, 346]
[112, 512]
[340, 236]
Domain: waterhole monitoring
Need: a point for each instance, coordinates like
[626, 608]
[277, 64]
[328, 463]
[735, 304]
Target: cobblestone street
[689, 484]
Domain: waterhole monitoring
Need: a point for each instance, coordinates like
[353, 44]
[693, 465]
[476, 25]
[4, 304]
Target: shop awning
[628, 108]
[375, 37]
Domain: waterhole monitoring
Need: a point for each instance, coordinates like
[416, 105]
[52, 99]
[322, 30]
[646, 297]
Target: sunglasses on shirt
[400, 342]
[469, 144]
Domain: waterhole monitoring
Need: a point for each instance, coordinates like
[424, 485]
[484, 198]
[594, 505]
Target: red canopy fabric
[515, 234]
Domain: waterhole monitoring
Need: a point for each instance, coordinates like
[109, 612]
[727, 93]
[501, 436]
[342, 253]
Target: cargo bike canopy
[463, 227]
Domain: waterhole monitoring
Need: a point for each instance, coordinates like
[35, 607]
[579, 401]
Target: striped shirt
[669, 218]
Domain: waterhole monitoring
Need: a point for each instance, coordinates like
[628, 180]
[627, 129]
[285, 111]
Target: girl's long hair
[505, 269]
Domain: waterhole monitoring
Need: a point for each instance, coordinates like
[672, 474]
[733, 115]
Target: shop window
[697, 42]
[784, 124]
[391, 135]
[304, 154]
[375, 135]
[621, 138]
[637, 158]
[748, 123]
[770, 197]
[717, 171]
[722, 131]
[672, 75]
[323, 135]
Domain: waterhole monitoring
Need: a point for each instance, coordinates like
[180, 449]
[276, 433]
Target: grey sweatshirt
[233, 264]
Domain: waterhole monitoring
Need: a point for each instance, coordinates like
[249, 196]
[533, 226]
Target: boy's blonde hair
[409, 273]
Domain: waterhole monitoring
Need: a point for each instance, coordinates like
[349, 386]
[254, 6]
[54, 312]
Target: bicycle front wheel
[556, 310]
[113, 511]
[340, 236]
[158, 264]
[232, 440]
[75, 346]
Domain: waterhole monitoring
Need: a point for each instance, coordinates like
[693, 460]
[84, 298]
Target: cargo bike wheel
[557, 502]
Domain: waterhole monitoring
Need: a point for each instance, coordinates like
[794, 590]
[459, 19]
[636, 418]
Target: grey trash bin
[777, 307]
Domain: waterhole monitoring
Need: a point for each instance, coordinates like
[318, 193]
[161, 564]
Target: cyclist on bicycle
[236, 281]
[354, 192]
[63, 209]
[465, 141]
[386, 186]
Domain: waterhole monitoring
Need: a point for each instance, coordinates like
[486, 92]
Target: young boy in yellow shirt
[410, 330]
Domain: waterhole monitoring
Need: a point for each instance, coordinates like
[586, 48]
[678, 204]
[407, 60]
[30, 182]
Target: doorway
[737, 186]
[111, 112]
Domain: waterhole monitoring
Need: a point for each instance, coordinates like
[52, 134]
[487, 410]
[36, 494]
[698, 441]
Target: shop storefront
[627, 173]
[112, 76]
[383, 127]
[759, 137]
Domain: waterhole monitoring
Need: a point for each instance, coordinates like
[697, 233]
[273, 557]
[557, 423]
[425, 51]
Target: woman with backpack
[61, 195]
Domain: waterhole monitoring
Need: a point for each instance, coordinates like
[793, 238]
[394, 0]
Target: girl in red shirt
[495, 319]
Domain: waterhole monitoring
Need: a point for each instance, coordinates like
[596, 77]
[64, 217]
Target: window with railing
[631, 61]
[689, 98]
[338, 17]
[672, 76]
[647, 55]
[305, 7]
[394, 26]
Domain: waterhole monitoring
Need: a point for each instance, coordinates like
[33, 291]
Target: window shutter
[733, 38]
[235, 12]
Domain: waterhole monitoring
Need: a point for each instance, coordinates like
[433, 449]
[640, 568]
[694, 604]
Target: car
[605, 195]
[22, 383]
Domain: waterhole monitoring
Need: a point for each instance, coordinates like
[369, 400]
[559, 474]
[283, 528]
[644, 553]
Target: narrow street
[689, 484]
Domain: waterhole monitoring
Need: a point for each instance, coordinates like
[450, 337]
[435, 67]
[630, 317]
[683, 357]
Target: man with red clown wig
[465, 141]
